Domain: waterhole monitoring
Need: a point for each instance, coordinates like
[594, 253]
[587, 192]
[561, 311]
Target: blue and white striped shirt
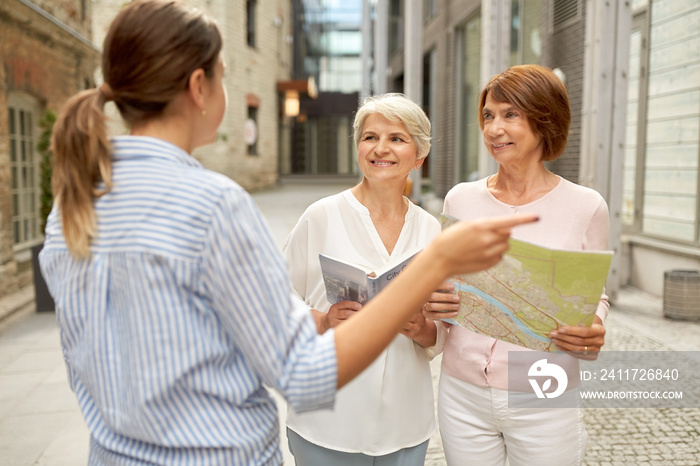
[180, 316]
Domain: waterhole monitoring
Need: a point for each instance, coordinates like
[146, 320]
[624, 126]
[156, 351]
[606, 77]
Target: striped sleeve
[247, 278]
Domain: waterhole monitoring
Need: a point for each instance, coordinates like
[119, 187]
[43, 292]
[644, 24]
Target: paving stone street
[40, 423]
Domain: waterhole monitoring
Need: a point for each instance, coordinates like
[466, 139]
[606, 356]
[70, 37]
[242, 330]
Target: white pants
[478, 427]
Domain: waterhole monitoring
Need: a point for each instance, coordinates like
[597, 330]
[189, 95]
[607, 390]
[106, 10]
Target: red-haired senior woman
[524, 114]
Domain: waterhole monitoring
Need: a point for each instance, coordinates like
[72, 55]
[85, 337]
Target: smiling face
[386, 150]
[508, 135]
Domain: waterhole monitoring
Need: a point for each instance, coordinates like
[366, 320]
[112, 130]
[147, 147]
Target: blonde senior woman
[385, 416]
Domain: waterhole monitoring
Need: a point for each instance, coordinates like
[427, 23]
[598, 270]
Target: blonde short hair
[396, 107]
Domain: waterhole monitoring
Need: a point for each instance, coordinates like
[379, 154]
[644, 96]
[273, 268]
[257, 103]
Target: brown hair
[541, 95]
[151, 49]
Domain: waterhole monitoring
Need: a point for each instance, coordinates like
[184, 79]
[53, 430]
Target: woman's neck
[387, 208]
[381, 199]
[521, 186]
[171, 130]
[175, 124]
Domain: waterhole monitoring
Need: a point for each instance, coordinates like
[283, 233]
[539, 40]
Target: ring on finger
[425, 307]
[585, 350]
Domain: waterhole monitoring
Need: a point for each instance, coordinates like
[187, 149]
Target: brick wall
[75, 14]
[50, 63]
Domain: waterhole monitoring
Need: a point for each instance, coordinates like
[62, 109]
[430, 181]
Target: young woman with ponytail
[173, 302]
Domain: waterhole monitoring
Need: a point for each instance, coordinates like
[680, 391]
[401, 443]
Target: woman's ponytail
[150, 50]
[81, 160]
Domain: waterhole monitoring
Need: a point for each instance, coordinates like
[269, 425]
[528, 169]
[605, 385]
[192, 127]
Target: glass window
[525, 32]
[329, 44]
[469, 58]
[342, 42]
[630, 163]
[24, 160]
[250, 22]
[324, 145]
[395, 26]
[661, 191]
[339, 74]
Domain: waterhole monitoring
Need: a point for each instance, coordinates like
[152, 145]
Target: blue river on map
[493, 301]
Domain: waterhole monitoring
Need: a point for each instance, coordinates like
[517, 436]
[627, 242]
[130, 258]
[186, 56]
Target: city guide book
[531, 292]
[353, 282]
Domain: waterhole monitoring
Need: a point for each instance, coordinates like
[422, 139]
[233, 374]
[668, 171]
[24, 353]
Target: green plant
[45, 168]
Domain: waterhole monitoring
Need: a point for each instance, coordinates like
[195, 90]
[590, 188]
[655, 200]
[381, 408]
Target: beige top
[571, 217]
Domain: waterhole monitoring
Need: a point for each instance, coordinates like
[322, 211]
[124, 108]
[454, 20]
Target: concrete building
[258, 53]
[257, 46]
[632, 70]
[50, 50]
[317, 130]
[46, 56]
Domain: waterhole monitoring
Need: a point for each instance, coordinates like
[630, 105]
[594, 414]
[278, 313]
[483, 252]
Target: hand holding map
[531, 292]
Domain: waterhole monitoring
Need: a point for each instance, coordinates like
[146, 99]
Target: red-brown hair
[541, 96]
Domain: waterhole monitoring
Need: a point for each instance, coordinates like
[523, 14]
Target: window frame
[27, 191]
[251, 10]
[642, 23]
[467, 165]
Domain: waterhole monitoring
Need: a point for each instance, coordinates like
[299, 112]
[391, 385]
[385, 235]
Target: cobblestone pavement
[40, 423]
[645, 435]
[639, 436]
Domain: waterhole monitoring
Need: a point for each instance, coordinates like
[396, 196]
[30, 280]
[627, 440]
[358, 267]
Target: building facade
[661, 186]
[317, 137]
[632, 70]
[47, 56]
[50, 50]
[258, 54]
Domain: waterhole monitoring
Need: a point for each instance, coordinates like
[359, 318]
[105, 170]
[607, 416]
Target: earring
[204, 113]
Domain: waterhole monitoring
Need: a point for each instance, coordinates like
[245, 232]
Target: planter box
[42, 297]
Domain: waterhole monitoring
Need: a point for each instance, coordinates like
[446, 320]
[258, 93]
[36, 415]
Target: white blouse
[389, 406]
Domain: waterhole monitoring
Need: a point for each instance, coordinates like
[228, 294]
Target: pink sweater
[571, 217]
